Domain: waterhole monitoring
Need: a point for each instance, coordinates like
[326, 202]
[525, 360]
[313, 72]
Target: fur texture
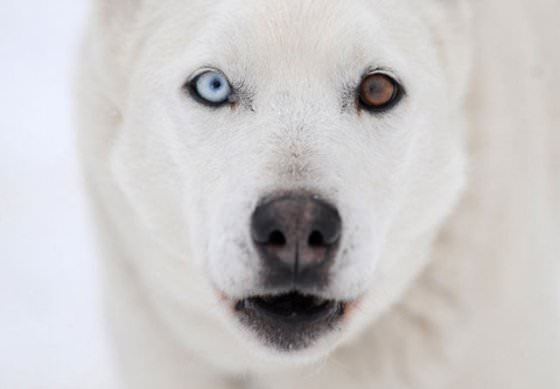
[450, 200]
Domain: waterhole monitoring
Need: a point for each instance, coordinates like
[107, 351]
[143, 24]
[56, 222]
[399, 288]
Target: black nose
[297, 237]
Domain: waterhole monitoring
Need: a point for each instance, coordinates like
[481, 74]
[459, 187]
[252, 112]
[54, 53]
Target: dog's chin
[292, 322]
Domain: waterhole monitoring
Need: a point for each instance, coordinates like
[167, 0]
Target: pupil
[216, 84]
[376, 87]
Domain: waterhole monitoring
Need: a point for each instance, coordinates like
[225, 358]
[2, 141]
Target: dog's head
[294, 158]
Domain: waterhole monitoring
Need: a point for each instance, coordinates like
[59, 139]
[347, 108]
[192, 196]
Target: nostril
[276, 238]
[316, 239]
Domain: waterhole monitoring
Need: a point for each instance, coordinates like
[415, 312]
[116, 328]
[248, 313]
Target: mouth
[290, 321]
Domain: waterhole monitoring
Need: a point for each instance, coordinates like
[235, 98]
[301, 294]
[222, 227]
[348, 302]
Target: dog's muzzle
[297, 237]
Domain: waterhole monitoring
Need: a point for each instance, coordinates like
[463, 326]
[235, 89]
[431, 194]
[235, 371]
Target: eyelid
[200, 71]
[382, 70]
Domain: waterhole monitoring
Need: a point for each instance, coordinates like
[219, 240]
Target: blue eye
[211, 88]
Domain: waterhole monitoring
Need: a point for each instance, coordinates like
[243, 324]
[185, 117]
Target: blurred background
[51, 335]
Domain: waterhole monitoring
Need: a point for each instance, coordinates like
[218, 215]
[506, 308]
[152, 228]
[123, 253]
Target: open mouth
[292, 307]
[290, 321]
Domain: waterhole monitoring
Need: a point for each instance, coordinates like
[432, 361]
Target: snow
[51, 330]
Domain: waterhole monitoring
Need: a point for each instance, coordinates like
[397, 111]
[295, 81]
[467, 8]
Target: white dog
[281, 187]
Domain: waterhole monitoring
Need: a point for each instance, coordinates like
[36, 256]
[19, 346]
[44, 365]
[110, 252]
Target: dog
[323, 194]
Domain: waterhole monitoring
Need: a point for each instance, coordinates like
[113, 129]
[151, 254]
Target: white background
[51, 335]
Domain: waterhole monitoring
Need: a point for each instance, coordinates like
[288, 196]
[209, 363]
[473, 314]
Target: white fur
[460, 299]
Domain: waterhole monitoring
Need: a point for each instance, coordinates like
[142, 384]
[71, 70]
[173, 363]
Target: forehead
[295, 33]
[293, 26]
[262, 35]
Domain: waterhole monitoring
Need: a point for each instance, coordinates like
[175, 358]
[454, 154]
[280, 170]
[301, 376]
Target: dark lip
[290, 321]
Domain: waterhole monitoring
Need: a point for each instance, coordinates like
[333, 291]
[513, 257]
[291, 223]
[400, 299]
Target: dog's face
[294, 158]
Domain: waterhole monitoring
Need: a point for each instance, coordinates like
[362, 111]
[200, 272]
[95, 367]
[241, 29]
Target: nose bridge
[299, 97]
[297, 134]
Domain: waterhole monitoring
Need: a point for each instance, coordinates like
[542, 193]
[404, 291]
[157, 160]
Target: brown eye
[378, 92]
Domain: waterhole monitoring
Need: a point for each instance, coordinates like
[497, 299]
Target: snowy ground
[51, 336]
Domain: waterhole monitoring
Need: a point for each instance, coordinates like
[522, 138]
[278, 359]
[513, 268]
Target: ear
[113, 22]
[102, 70]
[110, 37]
[450, 23]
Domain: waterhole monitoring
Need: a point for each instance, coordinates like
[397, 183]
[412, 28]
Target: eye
[211, 88]
[379, 92]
